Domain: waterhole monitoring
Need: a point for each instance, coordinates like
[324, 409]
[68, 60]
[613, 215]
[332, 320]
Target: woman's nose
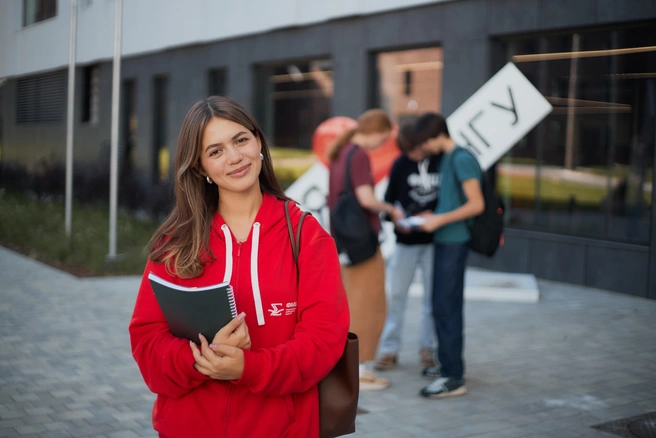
[234, 155]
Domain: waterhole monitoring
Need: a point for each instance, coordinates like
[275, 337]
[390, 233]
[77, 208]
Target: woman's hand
[223, 362]
[235, 333]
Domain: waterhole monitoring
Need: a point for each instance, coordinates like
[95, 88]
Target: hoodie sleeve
[165, 361]
[320, 334]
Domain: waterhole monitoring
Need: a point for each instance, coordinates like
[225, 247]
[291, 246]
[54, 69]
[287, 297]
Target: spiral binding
[231, 300]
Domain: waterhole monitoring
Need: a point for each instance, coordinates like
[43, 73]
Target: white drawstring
[255, 283]
[228, 242]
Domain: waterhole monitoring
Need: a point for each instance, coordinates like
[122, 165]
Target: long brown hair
[182, 241]
[372, 121]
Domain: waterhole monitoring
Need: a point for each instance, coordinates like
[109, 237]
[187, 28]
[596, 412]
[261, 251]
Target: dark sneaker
[385, 362]
[444, 387]
[427, 357]
[432, 372]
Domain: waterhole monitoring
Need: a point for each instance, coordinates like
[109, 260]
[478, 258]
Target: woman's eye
[242, 140]
[215, 152]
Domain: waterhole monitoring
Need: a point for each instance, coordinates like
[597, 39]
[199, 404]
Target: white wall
[152, 25]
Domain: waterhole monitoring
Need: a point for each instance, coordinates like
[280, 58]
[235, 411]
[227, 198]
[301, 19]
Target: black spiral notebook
[192, 310]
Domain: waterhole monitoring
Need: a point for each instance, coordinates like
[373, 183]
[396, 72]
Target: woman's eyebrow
[234, 137]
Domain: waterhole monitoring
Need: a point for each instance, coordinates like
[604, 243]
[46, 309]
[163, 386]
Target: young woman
[365, 281]
[258, 376]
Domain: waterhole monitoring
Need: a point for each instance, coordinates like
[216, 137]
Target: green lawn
[36, 228]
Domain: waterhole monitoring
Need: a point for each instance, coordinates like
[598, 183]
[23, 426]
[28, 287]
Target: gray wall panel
[619, 270]
[425, 27]
[514, 256]
[512, 16]
[566, 13]
[350, 64]
[465, 70]
[465, 20]
[558, 261]
[624, 10]
[382, 31]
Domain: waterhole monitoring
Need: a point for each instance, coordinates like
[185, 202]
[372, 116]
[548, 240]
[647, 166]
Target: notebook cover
[189, 311]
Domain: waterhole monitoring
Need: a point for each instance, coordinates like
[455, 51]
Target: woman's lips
[240, 172]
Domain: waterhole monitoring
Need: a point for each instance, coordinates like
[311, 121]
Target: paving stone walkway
[577, 358]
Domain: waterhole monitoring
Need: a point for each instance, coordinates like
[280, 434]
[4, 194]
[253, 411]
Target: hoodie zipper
[227, 415]
[227, 412]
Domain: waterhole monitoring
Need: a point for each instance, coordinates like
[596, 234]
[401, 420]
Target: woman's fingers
[229, 328]
[198, 356]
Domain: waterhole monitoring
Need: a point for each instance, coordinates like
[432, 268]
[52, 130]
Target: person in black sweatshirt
[414, 186]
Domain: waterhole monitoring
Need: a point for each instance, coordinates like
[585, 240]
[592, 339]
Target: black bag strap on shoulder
[348, 186]
[455, 176]
[295, 240]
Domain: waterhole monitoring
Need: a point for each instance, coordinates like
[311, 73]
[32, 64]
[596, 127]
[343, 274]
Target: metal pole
[69, 119]
[113, 181]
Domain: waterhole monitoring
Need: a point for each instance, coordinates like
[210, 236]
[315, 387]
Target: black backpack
[354, 236]
[486, 229]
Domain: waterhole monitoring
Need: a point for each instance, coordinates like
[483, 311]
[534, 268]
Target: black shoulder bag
[354, 236]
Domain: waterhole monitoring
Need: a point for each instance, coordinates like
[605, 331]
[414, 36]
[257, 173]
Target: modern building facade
[579, 187]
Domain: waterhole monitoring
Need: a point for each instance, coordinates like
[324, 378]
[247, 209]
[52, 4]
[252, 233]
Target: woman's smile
[238, 173]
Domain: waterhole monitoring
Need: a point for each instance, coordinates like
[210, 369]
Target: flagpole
[113, 179]
[69, 120]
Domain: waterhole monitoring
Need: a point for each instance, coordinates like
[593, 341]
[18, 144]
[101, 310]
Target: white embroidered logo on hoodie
[275, 311]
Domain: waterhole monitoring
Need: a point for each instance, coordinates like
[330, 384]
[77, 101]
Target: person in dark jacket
[414, 186]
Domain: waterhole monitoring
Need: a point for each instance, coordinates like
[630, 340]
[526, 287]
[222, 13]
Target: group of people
[259, 374]
[439, 183]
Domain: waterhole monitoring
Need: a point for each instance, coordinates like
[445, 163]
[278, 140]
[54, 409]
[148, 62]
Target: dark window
[216, 82]
[41, 98]
[128, 123]
[292, 100]
[161, 155]
[38, 10]
[587, 168]
[90, 94]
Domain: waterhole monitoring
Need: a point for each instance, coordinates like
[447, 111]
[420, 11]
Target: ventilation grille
[41, 98]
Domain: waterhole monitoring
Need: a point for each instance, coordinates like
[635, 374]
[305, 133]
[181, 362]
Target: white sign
[498, 115]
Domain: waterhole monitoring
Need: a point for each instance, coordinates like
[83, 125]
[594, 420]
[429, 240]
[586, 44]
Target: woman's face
[230, 156]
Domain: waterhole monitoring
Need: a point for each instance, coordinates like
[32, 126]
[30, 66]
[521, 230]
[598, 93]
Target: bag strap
[347, 171]
[295, 240]
[483, 177]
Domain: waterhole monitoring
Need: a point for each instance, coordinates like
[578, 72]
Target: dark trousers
[448, 290]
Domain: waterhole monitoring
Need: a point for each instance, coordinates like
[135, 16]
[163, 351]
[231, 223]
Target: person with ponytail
[365, 281]
[259, 375]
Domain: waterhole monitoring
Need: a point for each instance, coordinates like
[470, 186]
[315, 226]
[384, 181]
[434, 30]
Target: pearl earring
[209, 181]
[261, 156]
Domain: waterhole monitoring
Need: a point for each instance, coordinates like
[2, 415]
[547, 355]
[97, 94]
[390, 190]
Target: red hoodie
[297, 334]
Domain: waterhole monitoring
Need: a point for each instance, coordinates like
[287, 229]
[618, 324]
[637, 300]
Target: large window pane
[409, 82]
[292, 100]
[587, 169]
